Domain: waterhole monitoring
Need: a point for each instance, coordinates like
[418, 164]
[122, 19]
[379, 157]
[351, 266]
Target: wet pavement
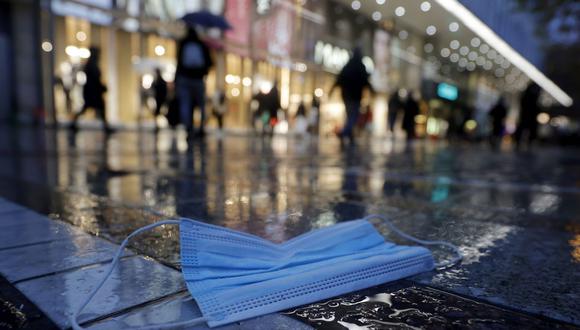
[513, 215]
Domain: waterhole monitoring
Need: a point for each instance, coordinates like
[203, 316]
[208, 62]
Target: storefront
[134, 39]
[300, 48]
[279, 42]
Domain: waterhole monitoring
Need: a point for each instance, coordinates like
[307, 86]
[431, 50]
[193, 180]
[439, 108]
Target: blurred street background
[455, 59]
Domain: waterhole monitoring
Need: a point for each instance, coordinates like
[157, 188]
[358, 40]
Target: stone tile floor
[513, 215]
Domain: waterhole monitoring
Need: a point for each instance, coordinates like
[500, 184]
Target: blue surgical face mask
[234, 276]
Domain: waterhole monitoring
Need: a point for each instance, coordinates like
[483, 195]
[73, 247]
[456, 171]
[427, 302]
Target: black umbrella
[206, 19]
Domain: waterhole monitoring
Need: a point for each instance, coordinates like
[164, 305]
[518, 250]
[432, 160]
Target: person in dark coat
[411, 109]
[352, 80]
[497, 115]
[314, 115]
[220, 107]
[160, 92]
[193, 64]
[93, 90]
[529, 110]
[395, 106]
[269, 104]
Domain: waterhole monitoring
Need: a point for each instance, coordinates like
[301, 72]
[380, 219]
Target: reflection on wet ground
[514, 215]
[406, 306]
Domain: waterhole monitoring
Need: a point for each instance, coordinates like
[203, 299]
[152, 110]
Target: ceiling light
[428, 48]
[377, 16]
[464, 50]
[472, 56]
[400, 11]
[46, 46]
[403, 35]
[475, 42]
[453, 26]
[159, 50]
[484, 49]
[490, 37]
[445, 52]
[355, 5]
[431, 30]
[380, 2]
[81, 36]
[425, 6]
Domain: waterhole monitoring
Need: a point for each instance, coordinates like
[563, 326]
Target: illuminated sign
[334, 58]
[329, 56]
[447, 91]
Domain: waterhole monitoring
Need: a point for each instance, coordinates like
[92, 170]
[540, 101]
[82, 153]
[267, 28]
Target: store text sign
[331, 57]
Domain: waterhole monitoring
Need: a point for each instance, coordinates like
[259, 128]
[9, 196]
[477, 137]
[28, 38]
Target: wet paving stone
[60, 294]
[21, 217]
[9, 207]
[502, 264]
[34, 230]
[27, 262]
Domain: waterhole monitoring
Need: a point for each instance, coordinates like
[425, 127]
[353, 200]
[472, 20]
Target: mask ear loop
[443, 264]
[114, 264]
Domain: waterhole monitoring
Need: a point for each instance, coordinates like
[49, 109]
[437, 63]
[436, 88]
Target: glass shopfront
[299, 48]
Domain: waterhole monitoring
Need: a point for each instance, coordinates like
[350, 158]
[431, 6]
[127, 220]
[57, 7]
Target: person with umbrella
[193, 64]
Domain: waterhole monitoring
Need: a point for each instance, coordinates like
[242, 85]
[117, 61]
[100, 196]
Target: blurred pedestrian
[159, 87]
[497, 115]
[314, 116]
[193, 64]
[269, 104]
[255, 108]
[395, 106]
[529, 110]
[352, 80]
[411, 109]
[300, 121]
[456, 122]
[67, 91]
[219, 108]
[93, 90]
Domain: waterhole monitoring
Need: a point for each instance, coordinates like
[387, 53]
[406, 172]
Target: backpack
[192, 56]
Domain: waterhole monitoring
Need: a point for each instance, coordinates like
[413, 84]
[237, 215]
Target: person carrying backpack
[193, 64]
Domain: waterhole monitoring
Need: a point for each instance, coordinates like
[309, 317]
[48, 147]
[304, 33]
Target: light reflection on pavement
[513, 215]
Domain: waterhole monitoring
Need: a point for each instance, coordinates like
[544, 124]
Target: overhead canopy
[462, 39]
